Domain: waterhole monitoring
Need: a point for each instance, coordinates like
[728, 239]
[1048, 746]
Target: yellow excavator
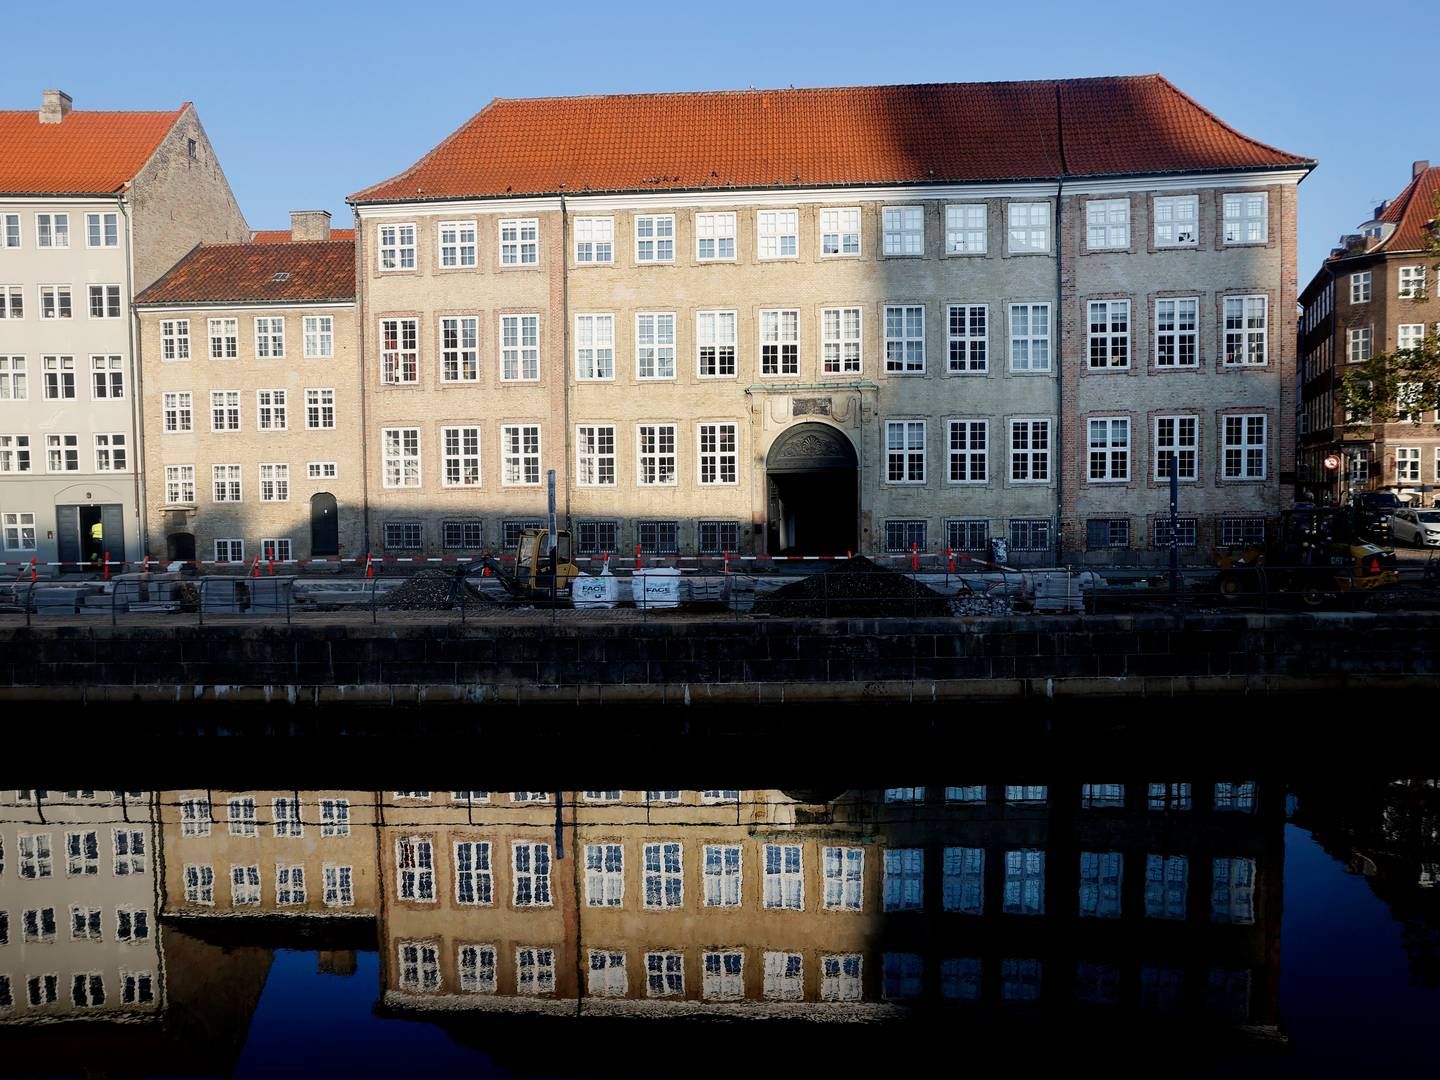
[533, 575]
[1317, 556]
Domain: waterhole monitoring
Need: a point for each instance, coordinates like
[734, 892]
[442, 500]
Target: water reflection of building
[296, 853]
[1161, 896]
[78, 933]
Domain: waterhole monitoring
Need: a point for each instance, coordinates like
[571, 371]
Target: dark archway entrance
[811, 476]
[324, 525]
[180, 547]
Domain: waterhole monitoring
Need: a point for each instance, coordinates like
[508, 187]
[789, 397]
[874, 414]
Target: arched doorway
[811, 478]
[324, 525]
[180, 547]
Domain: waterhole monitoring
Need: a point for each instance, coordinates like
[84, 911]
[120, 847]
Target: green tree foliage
[1389, 386]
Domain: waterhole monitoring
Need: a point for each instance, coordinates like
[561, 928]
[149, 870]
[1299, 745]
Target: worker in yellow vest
[97, 541]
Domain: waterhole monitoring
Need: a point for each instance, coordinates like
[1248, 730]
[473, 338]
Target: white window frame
[103, 228]
[655, 237]
[843, 873]
[592, 236]
[902, 231]
[604, 875]
[318, 334]
[1246, 335]
[843, 224]
[1361, 287]
[460, 348]
[712, 456]
[667, 878]
[779, 331]
[1175, 230]
[522, 249]
[415, 880]
[227, 482]
[400, 365]
[107, 310]
[716, 228]
[658, 458]
[518, 463]
[1245, 217]
[655, 346]
[964, 234]
[319, 408]
[1410, 283]
[1029, 452]
[272, 409]
[906, 454]
[458, 240]
[784, 976]
[973, 347]
[52, 230]
[395, 247]
[1244, 446]
[1186, 445]
[1112, 340]
[480, 875]
[965, 453]
[717, 331]
[223, 335]
[535, 882]
[783, 888]
[57, 302]
[1358, 344]
[842, 341]
[1028, 228]
[1107, 224]
[592, 459]
[722, 869]
[174, 340]
[1113, 451]
[1031, 340]
[228, 404]
[1177, 324]
[900, 350]
[338, 885]
[777, 235]
[595, 347]
[464, 453]
[398, 466]
[269, 337]
[111, 452]
[521, 355]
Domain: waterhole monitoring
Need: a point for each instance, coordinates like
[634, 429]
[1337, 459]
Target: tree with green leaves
[1390, 386]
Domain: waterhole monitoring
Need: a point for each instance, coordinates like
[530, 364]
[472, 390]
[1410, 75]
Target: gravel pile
[854, 589]
[424, 590]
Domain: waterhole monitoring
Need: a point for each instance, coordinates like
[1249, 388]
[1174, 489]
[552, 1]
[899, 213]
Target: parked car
[1416, 527]
[1372, 510]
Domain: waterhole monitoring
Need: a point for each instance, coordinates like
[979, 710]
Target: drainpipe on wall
[137, 388]
[565, 361]
[1060, 328]
[360, 318]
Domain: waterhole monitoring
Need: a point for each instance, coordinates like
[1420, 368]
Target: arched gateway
[812, 484]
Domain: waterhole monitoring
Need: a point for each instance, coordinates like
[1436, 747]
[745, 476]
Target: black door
[180, 547]
[324, 525]
[67, 533]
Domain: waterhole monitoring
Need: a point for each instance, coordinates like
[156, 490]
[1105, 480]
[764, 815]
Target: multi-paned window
[1412, 283]
[102, 230]
[477, 969]
[1024, 882]
[1029, 451]
[1101, 875]
[339, 885]
[715, 343]
[520, 455]
[722, 875]
[175, 339]
[1107, 224]
[82, 849]
[419, 966]
[321, 470]
[604, 875]
[968, 338]
[905, 339]
[460, 456]
[107, 378]
[397, 247]
[654, 238]
[1242, 531]
[655, 345]
[665, 974]
[594, 346]
[224, 337]
[55, 304]
[844, 870]
[905, 451]
[715, 237]
[534, 971]
[903, 535]
[1360, 287]
[963, 880]
[840, 977]
[474, 877]
[716, 537]
[318, 332]
[226, 483]
[319, 409]
[129, 845]
[399, 351]
[271, 410]
[270, 337]
[595, 455]
[903, 229]
[969, 444]
[1247, 217]
[62, 453]
[1030, 534]
[520, 348]
[1029, 337]
[404, 535]
[1109, 322]
[110, 452]
[966, 229]
[275, 549]
[1177, 436]
[400, 457]
[1245, 329]
[465, 535]
[14, 382]
[1177, 333]
[784, 878]
[1407, 464]
[1107, 533]
[229, 551]
[840, 341]
[1109, 449]
[531, 873]
[658, 537]
[594, 240]
[52, 230]
[904, 882]
[199, 884]
[967, 534]
[719, 453]
[14, 453]
[1232, 890]
[784, 976]
[595, 537]
[289, 884]
[457, 244]
[777, 234]
[780, 342]
[460, 349]
[1177, 221]
[224, 410]
[415, 869]
[655, 454]
[1243, 446]
[12, 301]
[1358, 344]
[1166, 884]
[275, 483]
[59, 374]
[663, 875]
[1185, 534]
[1029, 228]
[519, 241]
[1409, 335]
[840, 232]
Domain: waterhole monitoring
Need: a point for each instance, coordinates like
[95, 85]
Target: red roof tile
[246, 273]
[87, 153]
[282, 236]
[1412, 212]
[936, 132]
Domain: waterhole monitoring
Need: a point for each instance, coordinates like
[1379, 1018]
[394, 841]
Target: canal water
[1236, 922]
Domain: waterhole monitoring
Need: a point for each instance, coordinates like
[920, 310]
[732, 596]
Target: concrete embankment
[723, 661]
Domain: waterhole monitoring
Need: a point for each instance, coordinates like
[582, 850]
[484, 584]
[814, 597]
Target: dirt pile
[425, 590]
[853, 589]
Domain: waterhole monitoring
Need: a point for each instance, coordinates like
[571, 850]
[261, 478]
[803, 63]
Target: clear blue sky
[308, 101]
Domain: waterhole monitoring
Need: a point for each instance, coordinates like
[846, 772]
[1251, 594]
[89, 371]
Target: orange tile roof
[87, 153]
[246, 273]
[1412, 212]
[282, 236]
[938, 132]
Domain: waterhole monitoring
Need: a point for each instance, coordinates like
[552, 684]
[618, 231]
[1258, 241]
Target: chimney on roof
[54, 106]
[309, 224]
[1417, 168]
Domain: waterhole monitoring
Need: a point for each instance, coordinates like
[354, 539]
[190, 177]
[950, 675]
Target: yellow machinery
[1317, 556]
[533, 576]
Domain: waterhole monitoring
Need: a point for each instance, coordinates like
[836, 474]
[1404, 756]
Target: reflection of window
[964, 881]
[1172, 796]
[900, 975]
[477, 969]
[1093, 796]
[415, 861]
[1100, 874]
[607, 973]
[535, 971]
[665, 974]
[784, 879]
[532, 875]
[784, 976]
[419, 966]
[840, 977]
[474, 882]
[1025, 882]
[722, 875]
[1235, 796]
[1166, 883]
[724, 976]
[664, 884]
[904, 879]
[844, 877]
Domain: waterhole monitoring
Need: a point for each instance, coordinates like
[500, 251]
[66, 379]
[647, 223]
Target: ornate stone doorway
[812, 489]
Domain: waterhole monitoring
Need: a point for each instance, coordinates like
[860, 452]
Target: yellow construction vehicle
[533, 575]
[1318, 555]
